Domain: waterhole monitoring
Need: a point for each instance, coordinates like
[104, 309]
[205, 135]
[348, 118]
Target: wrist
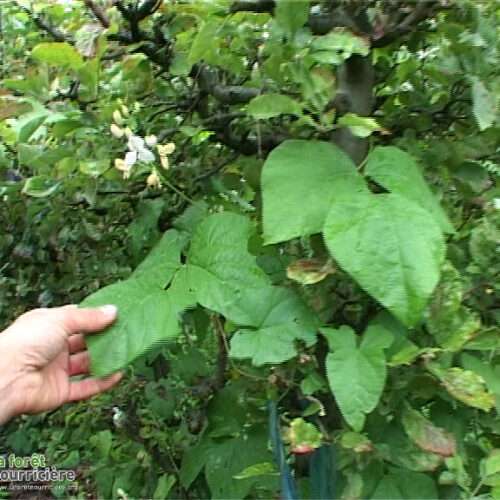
[10, 381]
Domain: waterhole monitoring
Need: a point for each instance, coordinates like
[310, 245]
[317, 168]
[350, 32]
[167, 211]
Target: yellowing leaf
[426, 435]
[468, 387]
[360, 126]
[303, 436]
[356, 442]
[309, 271]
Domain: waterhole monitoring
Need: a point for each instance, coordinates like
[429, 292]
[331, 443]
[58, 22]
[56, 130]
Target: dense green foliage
[295, 206]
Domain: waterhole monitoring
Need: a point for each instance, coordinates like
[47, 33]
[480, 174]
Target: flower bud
[117, 117]
[120, 165]
[166, 149]
[151, 140]
[153, 179]
[116, 131]
[164, 162]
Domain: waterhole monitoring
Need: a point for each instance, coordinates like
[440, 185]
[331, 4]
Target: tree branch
[249, 146]
[218, 168]
[211, 385]
[208, 81]
[44, 25]
[222, 355]
[421, 12]
[147, 8]
[252, 6]
[99, 14]
[159, 53]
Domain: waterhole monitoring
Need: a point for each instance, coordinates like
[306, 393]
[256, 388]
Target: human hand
[41, 351]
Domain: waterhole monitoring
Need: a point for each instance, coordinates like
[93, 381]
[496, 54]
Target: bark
[355, 83]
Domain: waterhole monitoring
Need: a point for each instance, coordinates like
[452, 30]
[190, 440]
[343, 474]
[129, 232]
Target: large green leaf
[224, 277]
[391, 247]
[356, 374]
[147, 313]
[402, 484]
[144, 228]
[221, 271]
[279, 319]
[222, 460]
[203, 43]
[60, 54]
[300, 179]
[399, 173]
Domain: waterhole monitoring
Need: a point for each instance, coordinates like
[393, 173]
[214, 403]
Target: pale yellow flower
[117, 117]
[122, 166]
[164, 162]
[153, 179]
[166, 149]
[151, 140]
[116, 131]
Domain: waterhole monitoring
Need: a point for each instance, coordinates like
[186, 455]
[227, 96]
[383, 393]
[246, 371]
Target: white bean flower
[137, 145]
[151, 140]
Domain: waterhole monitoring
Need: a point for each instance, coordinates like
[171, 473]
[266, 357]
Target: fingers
[89, 387]
[79, 363]
[88, 320]
[76, 343]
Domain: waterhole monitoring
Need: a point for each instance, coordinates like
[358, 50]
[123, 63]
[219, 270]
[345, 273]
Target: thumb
[87, 320]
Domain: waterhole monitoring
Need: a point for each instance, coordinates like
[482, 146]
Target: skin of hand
[41, 351]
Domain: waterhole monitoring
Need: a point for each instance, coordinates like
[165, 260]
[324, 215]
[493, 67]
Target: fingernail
[109, 310]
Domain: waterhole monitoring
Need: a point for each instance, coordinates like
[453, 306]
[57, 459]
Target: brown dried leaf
[309, 271]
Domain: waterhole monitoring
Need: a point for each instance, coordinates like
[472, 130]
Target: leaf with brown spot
[469, 388]
[426, 435]
[9, 108]
[309, 271]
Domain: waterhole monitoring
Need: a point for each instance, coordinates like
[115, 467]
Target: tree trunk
[356, 82]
